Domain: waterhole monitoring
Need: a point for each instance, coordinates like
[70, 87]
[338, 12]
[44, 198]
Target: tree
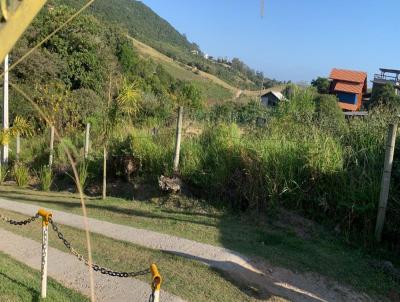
[190, 96]
[119, 109]
[127, 57]
[322, 85]
[328, 113]
[384, 94]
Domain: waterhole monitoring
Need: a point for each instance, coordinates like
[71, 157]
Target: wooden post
[4, 153]
[18, 147]
[385, 185]
[104, 173]
[178, 139]
[87, 142]
[51, 146]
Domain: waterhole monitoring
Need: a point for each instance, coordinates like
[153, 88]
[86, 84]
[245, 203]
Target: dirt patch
[302, 227]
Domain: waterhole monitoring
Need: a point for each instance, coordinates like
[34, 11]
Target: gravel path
[73, 274]
[241, 270]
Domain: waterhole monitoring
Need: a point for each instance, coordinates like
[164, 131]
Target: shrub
[45, 178]
[300, 107]
[321, 84]
[155, 153]
[328, 114]
[210, 161]
[21, 174]
[83, 174]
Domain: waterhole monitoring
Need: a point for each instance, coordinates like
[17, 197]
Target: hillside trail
[158, 56]
[256, 274]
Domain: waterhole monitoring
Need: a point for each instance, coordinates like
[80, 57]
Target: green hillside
[145, 25]
[140, 21]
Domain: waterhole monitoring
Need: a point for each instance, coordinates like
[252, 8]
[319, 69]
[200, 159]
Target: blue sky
[297, 39]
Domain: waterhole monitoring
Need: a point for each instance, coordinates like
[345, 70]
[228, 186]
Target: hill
[144, 24]
[140, 21]
[75, 65]
[202, 79]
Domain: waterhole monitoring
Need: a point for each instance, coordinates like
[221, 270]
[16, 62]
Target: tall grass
[45, 178]
[82, 168]
[21, 174]
[155, 153]
[307, 158]
[83, 174]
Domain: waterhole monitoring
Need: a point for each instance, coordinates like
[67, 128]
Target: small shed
[272, 98]
[349, 86]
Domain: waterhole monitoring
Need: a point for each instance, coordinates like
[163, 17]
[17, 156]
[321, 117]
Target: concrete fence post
[178, 139]
[51, 146]
[18, 147]
[385, 185]
[45, 250]
[87, 140]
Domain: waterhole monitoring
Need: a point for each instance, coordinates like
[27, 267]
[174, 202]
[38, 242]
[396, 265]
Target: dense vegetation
[69, 75]
[306, 157]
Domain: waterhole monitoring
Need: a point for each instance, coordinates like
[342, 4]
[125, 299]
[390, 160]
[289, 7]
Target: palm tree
[119, 110]
[19, 127]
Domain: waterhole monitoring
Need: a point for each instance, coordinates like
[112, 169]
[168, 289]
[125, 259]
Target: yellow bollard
[45, 246]
[156, 283]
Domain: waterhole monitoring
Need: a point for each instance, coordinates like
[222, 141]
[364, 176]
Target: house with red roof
[349, 86]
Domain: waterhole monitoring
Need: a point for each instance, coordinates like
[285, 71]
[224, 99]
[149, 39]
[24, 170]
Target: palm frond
[21, 126]
[128, 99]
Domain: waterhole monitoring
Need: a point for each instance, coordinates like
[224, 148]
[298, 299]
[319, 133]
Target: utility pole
[4, 152]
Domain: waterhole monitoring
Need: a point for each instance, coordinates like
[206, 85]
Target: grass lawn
[21, 283]
[308, 249]
[188, 279]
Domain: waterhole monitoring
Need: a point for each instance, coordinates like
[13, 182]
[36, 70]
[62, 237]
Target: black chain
[15, 222]
[95, 267]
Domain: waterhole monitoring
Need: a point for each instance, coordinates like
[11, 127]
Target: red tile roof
[348, 75]
[349, 87]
